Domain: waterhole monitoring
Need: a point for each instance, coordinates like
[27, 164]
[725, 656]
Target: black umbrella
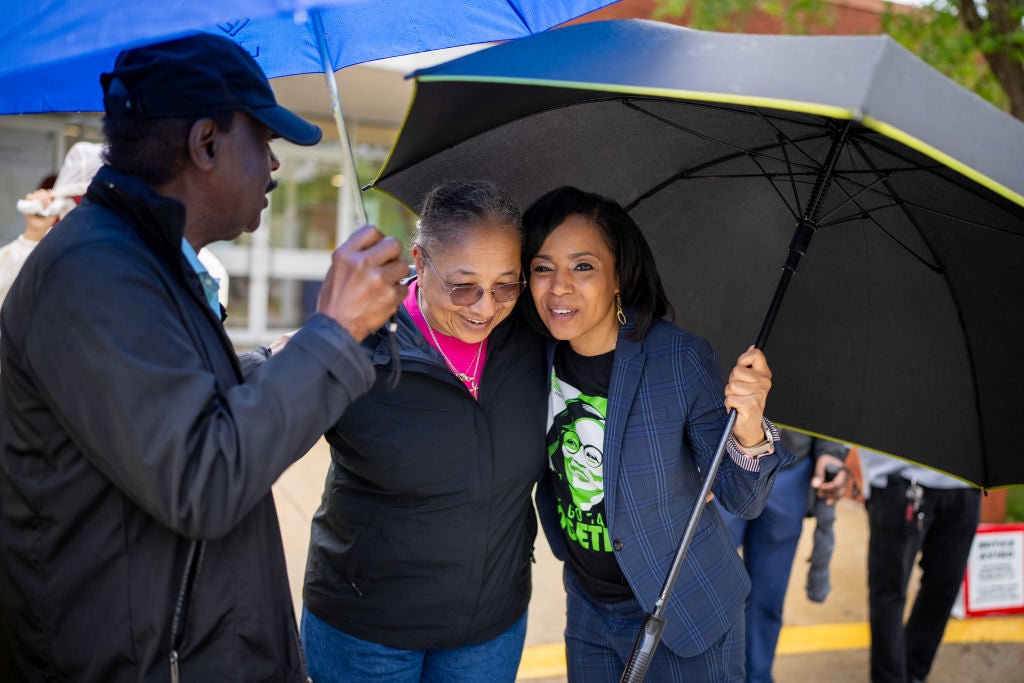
[738, 154]
[900, 331]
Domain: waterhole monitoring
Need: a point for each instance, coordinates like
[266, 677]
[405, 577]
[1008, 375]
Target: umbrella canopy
[52, 51]
[900, 329]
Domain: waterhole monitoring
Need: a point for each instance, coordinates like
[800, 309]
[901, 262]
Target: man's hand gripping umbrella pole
[654, 622]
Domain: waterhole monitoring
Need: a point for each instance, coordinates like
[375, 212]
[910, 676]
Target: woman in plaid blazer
[636, 409]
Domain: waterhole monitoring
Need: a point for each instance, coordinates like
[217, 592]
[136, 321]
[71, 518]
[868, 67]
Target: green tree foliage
[979, 44]
[795, 16]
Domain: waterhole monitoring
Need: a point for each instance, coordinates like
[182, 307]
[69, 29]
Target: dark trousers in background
[901, 653]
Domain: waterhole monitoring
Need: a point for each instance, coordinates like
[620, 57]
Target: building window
[275, 272]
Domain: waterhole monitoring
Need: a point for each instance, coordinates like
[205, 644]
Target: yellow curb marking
[823, 638]
[542, 661]
[548, 661]
[985, 630]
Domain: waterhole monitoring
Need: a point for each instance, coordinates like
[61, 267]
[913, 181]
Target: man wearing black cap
[138, 536]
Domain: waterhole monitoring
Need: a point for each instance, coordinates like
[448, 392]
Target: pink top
[460, 353]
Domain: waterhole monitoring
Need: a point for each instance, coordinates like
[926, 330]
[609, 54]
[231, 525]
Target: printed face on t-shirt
[581, 440]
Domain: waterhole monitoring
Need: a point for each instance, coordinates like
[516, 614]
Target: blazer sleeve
[740, 491]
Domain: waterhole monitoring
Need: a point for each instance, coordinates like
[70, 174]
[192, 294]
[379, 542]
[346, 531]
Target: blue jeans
[336, 657]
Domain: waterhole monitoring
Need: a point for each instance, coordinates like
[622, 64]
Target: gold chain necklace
[464, 377]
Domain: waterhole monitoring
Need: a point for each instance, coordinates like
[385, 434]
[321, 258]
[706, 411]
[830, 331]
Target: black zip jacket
[425, 535]
[135, 510]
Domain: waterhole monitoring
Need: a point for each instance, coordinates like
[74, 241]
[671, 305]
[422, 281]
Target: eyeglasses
[467, 295]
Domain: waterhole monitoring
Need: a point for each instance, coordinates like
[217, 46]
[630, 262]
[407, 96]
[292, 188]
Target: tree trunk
[1010, 74]
[1008, 70]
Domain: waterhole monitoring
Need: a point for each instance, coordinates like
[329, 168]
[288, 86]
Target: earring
[618, 309]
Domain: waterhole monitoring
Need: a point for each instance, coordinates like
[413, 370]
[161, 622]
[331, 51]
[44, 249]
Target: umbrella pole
[654, 623]
[348, 161]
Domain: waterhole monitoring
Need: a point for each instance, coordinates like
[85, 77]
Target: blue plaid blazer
[665, 418]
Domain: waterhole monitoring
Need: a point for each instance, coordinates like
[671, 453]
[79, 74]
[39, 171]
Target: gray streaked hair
[455, 207]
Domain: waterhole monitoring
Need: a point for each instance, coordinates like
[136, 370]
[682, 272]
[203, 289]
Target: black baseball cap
[198, 75]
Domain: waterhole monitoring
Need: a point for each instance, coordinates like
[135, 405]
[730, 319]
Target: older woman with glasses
[419, 561]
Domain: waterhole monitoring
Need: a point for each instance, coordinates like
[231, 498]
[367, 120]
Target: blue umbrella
[52, 51]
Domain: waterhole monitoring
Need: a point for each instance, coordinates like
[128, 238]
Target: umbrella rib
[740, 151]
[519, 13]
[899, 202]
[934, 169]
[880, 178]
[785, 140]
[867, 214]
[804, 176]
[961, 219]
[959, 316]
[756, 156]
[792, 208]
[792, 180]
[691, 173]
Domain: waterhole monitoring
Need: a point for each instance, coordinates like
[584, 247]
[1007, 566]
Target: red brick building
[840, 17]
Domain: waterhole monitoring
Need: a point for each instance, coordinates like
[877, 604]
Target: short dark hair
[156, 150]
[455, 206]
[639, 283]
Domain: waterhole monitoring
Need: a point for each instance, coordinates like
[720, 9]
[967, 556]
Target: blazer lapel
[627, 370]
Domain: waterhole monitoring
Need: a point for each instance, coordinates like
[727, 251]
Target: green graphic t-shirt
[577, 407]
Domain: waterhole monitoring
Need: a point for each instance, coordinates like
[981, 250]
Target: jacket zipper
[302, 653]
[189, 580]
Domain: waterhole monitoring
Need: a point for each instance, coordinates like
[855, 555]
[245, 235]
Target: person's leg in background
[951, 520]
[769, 545]
[819, 581]
[893, 543]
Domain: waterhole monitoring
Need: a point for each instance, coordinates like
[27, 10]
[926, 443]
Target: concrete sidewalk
[826, 642]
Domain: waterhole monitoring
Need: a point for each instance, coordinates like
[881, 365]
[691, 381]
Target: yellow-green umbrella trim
[818, 109]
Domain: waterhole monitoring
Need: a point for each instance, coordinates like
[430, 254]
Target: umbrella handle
[646, 642]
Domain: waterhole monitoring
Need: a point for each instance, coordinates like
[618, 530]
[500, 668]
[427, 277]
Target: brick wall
[847, 17]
